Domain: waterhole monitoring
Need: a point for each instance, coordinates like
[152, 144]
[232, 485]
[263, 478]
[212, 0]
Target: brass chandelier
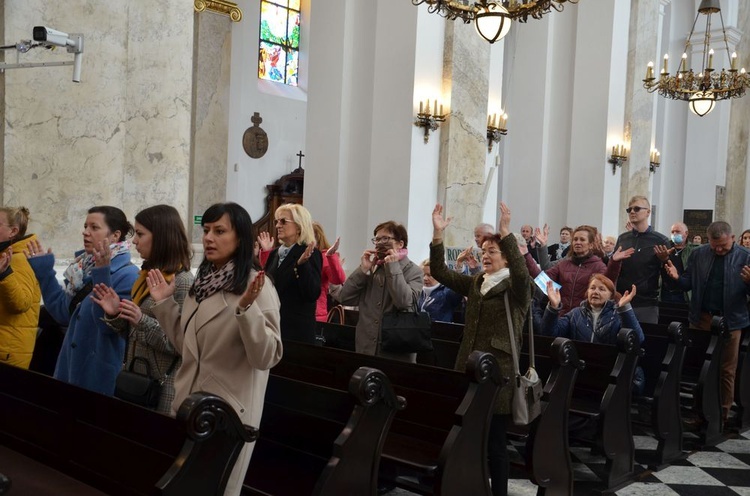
[701, 90]
[492, 19]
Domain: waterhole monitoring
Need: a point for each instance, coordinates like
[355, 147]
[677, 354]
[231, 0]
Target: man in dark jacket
[678, 254]
[644, 267]
[719, 276]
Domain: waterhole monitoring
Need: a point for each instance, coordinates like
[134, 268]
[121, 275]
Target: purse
[406, 332]
[527, 388]
[141, 389]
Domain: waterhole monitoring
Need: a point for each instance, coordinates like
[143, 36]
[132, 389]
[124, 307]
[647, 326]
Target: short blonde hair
[17, 217]
[301, 216]
[639, 198]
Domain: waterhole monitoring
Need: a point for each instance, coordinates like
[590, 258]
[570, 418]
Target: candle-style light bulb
[733, 61]
[421, 105]
[710, 58]
[684, 62]
[650, 70]
[665, 69]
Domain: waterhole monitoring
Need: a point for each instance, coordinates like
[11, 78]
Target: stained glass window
[278, 58]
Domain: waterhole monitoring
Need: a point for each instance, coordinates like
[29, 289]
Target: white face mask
[677, 239]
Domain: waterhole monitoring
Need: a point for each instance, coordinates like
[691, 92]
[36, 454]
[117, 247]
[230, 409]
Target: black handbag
[406, 332]
[141, 389]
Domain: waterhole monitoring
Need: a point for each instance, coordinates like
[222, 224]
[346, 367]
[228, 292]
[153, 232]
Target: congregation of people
[222, 329]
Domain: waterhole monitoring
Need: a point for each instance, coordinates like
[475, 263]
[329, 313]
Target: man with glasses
[644, 267]
[719, 276]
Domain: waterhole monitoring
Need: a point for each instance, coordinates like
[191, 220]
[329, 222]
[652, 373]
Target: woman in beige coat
[228, 331]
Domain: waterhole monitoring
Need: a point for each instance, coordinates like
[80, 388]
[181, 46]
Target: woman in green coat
[486, 328]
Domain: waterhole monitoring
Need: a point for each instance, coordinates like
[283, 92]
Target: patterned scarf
[140, 289]
[79, 272]
[283, 252]
[211, 280]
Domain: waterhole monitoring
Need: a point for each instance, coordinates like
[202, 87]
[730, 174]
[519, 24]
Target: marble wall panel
[121, 136]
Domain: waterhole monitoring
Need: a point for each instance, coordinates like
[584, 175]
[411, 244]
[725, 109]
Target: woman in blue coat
[92, 353]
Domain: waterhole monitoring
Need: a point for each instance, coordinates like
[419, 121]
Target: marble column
[463, 139]
[737, 207]
[639, 103]
[213, 49]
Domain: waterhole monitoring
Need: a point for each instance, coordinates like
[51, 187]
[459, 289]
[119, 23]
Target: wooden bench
[442, 434]
[673, 312]
[742, 384]
[117, 447]
[701, 379]
[662, 367]
[603, 394]
[546, 454]
[319, 440]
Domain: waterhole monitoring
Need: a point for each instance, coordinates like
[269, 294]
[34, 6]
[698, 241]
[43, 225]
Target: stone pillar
[639, 103]
[463, 139]
[212, 55]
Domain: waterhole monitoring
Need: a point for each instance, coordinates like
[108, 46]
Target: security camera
[52, 36]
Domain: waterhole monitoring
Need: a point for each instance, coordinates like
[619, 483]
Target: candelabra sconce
[429, 119]
[496, 129]
[619, 156]
[654, 161]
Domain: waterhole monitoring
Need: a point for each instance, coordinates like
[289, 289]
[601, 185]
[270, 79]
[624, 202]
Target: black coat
[298, 287]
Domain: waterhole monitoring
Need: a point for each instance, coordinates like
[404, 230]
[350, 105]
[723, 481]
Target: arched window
[278, 58]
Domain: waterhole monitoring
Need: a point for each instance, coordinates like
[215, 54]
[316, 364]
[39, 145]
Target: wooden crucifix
[299, 167]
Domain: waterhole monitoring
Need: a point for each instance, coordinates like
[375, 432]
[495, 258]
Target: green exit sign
[197, 219]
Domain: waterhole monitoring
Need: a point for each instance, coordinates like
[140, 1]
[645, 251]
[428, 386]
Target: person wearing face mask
[386, 280]
[92, 353]
[574, 271]
[678, 254]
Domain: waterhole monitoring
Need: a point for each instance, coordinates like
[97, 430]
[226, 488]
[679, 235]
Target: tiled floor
[718, 471]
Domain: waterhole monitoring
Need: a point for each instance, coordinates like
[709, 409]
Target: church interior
[391, 109]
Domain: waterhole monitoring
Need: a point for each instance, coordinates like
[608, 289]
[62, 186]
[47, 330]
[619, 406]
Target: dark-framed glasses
[283, 221]
[635, 209]
[381, 240]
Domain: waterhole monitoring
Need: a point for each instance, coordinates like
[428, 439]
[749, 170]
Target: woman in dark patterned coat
[486, 328]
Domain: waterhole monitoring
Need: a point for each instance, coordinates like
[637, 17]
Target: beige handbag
[527, 388]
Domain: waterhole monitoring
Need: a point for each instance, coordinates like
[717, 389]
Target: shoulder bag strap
[531, 339]
[512, 337]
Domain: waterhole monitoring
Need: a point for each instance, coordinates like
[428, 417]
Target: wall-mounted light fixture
[618, 157]
[497, 127]
[428, 118]
[654, 161]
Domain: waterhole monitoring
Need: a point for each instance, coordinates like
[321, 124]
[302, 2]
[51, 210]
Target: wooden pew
[546, 454]
[117, 447]
[673, 312]
[742, 384]
[442, 434]
[603, 393]
[322, 441]
[662, 366]
[700, 385]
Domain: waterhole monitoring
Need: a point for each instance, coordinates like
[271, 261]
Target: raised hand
[367, 260]
[745, 274]
[158, 287]
[627, 297]
[253, 290]
[102, 253]
[671, 270]
[265, 241]
[542, 235]
[306, 254]
[5, 259]
[34, 249]
[438, 222]
[553, 294]
[107, 298]
[464, 256]
[392, 256]
[334, 247]
[130, 312]
[504, 219]
[621, 254]
[662, 252]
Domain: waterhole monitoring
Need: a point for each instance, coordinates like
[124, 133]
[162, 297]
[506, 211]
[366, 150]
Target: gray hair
[718, 229]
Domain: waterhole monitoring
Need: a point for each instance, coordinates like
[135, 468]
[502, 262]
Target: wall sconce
[496, 129]
[429, 119]
[619, 156]
[654, 160]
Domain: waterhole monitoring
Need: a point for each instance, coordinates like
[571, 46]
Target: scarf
[211, 280]
[140, 289]
[579, 260]
[283, 252]
[492, 280]
[79, 272]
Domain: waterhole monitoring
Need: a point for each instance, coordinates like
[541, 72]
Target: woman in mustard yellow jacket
[19, 290]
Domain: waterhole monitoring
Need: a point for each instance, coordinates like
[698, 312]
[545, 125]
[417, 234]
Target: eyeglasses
[382, 239]
[283, 221]
[635, 209]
